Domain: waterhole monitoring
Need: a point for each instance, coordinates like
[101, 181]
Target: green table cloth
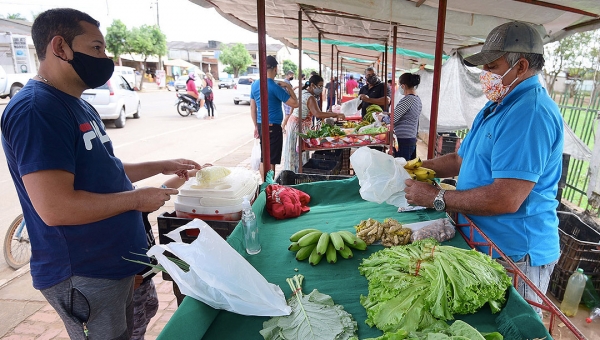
[334, 205]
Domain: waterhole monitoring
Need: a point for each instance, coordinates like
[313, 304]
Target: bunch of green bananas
[416, 171]
[313, 244]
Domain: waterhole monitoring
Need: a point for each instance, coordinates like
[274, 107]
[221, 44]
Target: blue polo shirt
[46, 129]
[277, 96]
[523, 139]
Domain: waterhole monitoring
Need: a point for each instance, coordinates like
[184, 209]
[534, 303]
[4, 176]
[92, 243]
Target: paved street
[160, 133]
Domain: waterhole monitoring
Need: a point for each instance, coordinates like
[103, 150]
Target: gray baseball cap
[510, 37]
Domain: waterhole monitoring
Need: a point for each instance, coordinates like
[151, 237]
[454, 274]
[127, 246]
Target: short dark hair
[409, 79]
[58, 21]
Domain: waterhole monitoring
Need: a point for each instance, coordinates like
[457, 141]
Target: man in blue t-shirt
[510, 163]
[83, 214]
[279, 92]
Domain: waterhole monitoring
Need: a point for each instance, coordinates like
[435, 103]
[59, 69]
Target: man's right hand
[151, 199]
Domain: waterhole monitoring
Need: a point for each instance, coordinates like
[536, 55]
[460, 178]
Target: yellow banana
[297, 235]
[424, 173]
[322, 243]
[305, 252]
[337, 241]
[413, 163]
[310, 238]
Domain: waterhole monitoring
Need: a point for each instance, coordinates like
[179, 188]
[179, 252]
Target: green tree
[289, 65]
[568, 53]
[307, 72]
[15, 16]
[116, 39]
[236, 57]
[147, 41]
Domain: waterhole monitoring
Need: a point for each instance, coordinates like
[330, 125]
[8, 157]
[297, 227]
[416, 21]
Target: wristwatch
[438, 202]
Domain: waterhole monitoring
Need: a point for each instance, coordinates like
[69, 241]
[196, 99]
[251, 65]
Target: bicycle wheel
[17, 248]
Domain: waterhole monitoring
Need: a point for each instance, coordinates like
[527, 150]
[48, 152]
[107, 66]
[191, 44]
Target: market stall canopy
[180, 63]
[370, 22]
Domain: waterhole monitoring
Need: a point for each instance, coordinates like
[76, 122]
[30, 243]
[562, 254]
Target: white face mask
[492, 86]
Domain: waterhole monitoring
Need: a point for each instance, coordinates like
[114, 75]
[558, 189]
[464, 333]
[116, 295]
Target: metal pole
[339, 76]
[385, 87]
[264, 90]
[320, 63]
[300, 90]
[395, 35]
[330, 80]
[437, 77]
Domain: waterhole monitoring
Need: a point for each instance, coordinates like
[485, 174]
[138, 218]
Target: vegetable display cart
[335, 205]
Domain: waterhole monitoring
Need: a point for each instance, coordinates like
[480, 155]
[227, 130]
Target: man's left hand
[420, 193]
[179, 167]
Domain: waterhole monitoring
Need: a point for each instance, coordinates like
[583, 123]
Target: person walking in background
[351, 84]
[209, 95]
[361, 83]
[406, 116]
[279, 93]
[331, 93]
[289, 76]
[310, 108]
[510, 163]
[83, 214]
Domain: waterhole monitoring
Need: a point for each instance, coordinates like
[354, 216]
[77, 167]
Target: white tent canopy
[467, 22]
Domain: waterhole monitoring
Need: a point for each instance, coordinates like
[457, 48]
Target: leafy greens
[418, 286]
[314, 317]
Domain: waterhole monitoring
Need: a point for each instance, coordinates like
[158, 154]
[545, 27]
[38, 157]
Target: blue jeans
[407, 148]
[539, 275]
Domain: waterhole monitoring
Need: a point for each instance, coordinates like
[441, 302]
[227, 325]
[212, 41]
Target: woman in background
[210, 96]
[310, 92]
[406, 116]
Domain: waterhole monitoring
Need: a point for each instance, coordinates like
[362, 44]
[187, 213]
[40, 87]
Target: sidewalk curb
[15, 275]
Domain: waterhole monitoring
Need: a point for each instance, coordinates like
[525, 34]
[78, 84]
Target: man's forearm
[140, 171]
[444, 166]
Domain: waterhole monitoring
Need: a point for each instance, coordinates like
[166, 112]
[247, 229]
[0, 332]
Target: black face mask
[373, 80]
[93, 71]
[291, 78]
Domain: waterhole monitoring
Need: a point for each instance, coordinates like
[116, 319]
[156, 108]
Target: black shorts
[275, 142]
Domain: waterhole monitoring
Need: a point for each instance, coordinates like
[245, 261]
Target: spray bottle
[250, 228]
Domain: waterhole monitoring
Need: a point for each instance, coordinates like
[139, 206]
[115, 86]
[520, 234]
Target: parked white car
[128, 73]
[242, 89]
[114, 100]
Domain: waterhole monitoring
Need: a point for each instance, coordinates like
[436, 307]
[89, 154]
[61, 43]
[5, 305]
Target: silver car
[115, 100]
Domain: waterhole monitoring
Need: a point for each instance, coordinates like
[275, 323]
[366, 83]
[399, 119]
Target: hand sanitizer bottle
[250, 228]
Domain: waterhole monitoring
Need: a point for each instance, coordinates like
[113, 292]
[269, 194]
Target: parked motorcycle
[186, 104]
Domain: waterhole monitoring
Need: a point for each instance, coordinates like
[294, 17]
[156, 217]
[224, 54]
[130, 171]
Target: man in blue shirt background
[510, 163]
[278, 93]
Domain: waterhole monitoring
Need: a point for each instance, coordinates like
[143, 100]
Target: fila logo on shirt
[90, 131]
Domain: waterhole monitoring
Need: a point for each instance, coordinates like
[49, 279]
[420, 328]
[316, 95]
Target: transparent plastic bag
[218, 275]
[255, 157]
[381, 176]
[350, 107]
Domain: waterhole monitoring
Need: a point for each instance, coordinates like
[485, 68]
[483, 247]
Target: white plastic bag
[255, 157]
[381, 176]
[350, 107]
[219, 276]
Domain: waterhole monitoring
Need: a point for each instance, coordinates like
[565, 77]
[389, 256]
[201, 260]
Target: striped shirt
[406, 116]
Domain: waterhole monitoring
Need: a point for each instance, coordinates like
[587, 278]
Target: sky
[180, 20]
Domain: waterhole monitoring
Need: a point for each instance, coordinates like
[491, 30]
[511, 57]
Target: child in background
[145, 299]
